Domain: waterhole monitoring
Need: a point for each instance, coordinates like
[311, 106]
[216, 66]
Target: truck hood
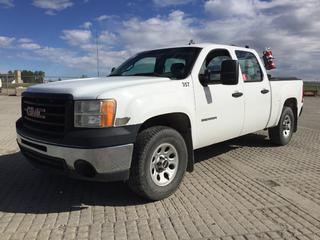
[91, 88]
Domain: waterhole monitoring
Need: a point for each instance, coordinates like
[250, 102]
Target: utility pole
[98, 62]
[97, 50]
[7, 84]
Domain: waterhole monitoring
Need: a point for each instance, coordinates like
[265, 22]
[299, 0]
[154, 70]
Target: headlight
[94, 114]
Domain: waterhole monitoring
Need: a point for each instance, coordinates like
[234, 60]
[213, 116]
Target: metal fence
[312, 87]
[9, 84]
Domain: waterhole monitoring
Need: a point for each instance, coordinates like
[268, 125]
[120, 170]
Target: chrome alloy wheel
[164, 164]
[286, 125]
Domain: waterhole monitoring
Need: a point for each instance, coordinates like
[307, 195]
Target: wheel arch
[181, 123]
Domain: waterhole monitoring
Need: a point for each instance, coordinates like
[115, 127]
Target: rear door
[256, 90]
[219, 108]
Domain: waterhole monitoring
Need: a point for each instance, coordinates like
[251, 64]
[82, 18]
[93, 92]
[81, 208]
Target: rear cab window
[250, 67]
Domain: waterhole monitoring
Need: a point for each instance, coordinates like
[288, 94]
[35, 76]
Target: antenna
[191, 42]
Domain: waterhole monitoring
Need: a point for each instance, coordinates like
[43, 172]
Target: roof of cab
[211, 45]
[214, 45]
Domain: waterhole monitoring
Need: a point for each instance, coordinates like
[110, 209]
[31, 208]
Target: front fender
[145, 107]
[140, 103]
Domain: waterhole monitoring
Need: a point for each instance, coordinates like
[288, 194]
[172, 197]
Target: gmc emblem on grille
[35, 112]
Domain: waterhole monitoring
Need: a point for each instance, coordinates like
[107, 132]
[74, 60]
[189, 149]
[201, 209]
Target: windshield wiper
[140, 74]
[149, 74]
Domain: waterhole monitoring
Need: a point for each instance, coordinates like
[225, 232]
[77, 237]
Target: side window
[212, 64]
[169, 61]
[250, 67]
[144, 65]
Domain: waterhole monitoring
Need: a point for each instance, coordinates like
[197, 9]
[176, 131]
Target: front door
[219, 108]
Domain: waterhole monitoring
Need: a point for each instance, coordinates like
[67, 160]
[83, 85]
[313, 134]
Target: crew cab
[142, 123]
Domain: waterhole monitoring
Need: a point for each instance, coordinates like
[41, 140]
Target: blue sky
[58, 36]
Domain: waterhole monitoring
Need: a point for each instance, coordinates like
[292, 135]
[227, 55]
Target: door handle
[264, 91]
[237, 94]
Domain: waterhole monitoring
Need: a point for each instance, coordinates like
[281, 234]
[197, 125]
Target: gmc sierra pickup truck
[142, 123]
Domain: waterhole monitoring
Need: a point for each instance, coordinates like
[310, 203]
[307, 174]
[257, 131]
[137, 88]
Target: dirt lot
[241, 189]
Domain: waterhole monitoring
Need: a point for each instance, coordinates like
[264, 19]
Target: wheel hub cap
[286, 126]
[164, 164]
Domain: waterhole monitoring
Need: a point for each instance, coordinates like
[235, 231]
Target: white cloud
[53, 6]
[165, 3]
[86, 62]
[25, 40]
[230, 8]
[107, 37]
[102, 18]
[289, 27]
[87, 25]
[170, 30]
[30, 46]
[6, 42]
[76, 36]
[7, 3]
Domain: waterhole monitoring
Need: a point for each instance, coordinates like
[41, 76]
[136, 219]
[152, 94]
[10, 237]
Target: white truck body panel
[92, 88]
[280, 92]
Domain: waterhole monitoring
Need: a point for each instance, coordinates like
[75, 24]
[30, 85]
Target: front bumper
[108, 163]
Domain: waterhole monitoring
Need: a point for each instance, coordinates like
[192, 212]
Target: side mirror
[230, 72]
[112, 69]
[204, 79]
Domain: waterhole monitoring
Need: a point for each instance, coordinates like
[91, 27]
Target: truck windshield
[174, 63]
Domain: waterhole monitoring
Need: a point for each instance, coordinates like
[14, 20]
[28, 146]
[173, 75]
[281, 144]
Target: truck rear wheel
[282, 133]
[159, 163]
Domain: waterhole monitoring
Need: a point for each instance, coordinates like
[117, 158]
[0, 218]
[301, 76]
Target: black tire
[140, 180]
[277, 134]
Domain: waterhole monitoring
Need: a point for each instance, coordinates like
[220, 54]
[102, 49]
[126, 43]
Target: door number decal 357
[185, 84]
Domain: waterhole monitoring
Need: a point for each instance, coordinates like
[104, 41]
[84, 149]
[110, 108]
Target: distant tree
[39, 76]
[32, 77]
[84, 76]
[27, 76]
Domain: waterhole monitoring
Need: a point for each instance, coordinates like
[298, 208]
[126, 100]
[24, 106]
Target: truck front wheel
[159, 163]
[282, 133]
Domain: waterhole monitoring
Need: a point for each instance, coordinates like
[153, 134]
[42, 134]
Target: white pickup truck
[142, 122]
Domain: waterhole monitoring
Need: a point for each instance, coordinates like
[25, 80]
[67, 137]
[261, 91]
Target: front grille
[46, 114]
